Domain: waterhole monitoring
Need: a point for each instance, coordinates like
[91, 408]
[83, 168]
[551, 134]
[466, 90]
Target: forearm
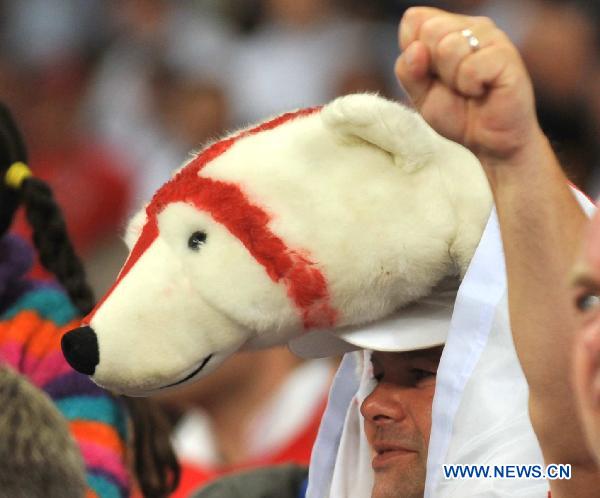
[542, 225]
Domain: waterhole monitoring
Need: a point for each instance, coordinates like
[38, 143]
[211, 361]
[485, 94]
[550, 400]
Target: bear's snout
[80, 348]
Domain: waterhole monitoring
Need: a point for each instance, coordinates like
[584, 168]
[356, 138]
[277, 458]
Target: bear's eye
[196, 240]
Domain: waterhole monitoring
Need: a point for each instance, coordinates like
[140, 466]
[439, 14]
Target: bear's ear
[391, 126]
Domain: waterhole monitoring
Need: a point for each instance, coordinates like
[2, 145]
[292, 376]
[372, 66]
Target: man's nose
[383, 405]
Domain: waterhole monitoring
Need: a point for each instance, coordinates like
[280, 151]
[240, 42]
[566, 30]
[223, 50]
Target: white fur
[382, 205]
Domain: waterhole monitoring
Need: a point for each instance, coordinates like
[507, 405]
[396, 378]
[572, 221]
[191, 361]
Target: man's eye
[587, 302]
[420, 375]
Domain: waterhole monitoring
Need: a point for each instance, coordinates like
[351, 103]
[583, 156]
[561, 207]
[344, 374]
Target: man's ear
[392, 127]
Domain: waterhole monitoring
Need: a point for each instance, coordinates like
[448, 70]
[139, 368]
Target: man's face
[398, 420]
[587, 347]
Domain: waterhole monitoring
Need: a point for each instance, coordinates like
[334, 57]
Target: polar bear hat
[325, 218]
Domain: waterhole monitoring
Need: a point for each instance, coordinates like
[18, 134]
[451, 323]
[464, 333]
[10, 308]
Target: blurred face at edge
[398, 420]
[586, 299]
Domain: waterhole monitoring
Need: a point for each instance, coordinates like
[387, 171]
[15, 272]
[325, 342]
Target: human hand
[481, 97]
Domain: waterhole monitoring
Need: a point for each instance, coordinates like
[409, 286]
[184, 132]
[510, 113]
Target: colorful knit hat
[33, 317]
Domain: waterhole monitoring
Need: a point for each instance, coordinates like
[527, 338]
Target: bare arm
[483, 98]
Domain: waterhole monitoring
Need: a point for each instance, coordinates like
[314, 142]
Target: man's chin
[403, 490]
[398, 475]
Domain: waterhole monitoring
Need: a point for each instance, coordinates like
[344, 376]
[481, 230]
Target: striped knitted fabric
[31, 327]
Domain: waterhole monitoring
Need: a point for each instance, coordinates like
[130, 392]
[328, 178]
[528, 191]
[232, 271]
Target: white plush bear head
[318, 219]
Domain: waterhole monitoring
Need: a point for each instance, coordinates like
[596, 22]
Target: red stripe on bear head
[249, 223]
[228, 205]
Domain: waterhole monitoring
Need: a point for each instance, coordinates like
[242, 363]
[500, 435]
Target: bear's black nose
[80, 348]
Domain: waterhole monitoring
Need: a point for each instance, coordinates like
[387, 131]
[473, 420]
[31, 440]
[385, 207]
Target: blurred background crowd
[112, 96]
